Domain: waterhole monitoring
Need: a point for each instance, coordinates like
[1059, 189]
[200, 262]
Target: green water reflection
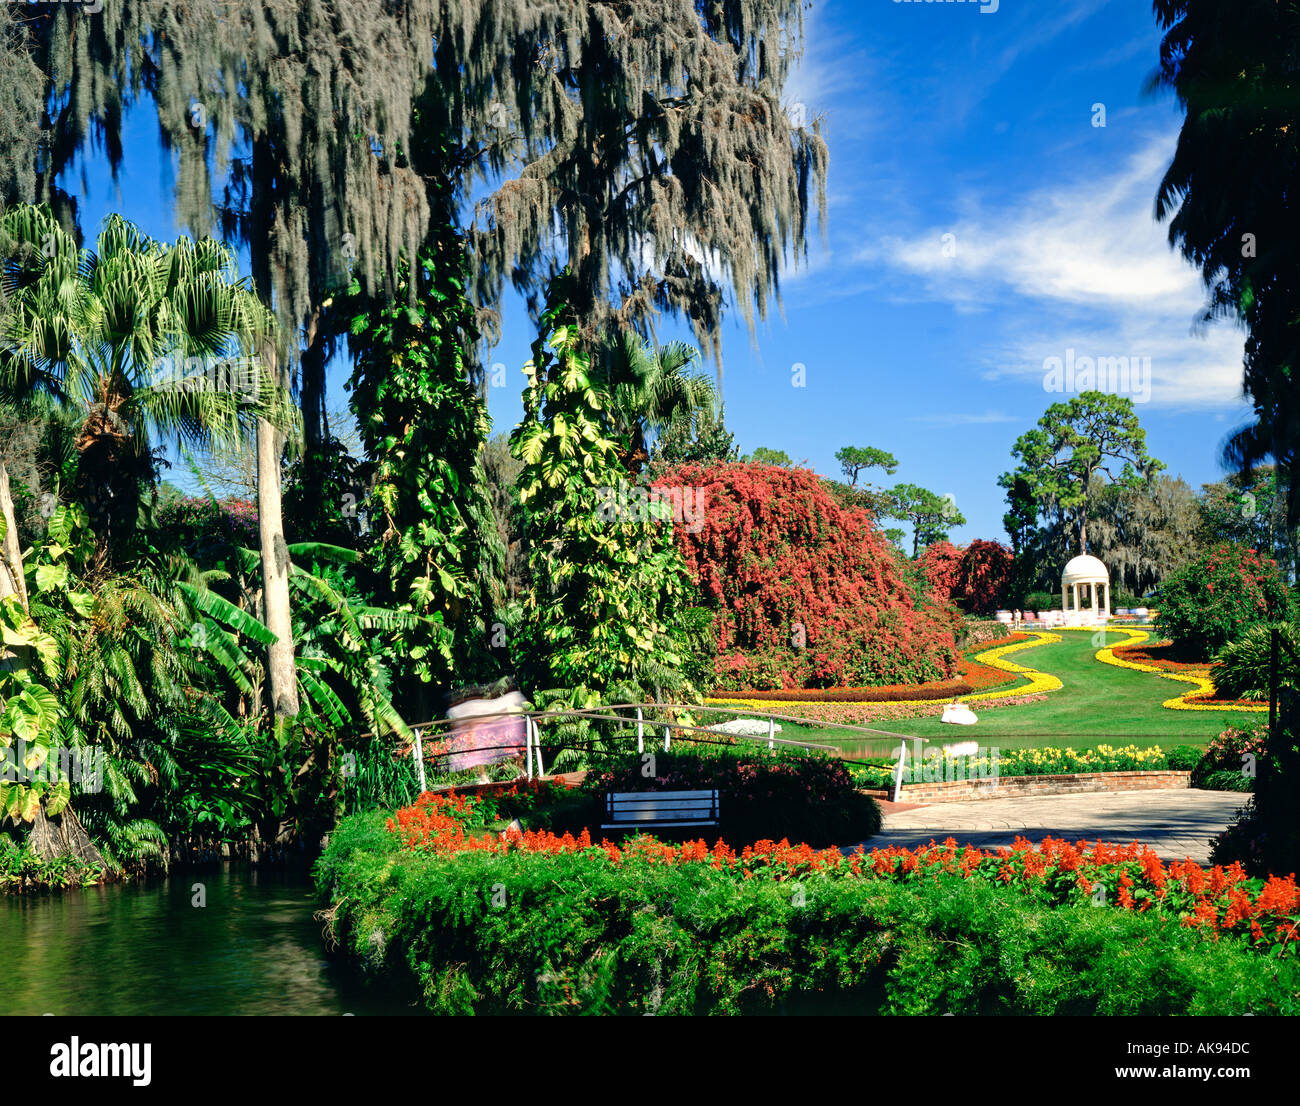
[254, 948]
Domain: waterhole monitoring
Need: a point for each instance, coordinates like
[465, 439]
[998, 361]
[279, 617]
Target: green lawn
[1099, 705]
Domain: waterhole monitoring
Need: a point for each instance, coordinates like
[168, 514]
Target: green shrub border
[574, 933]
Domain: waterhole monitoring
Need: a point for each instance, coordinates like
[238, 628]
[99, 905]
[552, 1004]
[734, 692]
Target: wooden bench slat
[667, 809]
[618, 796]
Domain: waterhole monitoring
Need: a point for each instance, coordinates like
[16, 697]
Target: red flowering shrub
[1217, 597]
[975, 577]
[805, 592]
[941, 567]
[985, 575]
[231, 519]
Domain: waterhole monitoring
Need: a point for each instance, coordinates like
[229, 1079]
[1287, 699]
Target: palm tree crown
[651, 386]
[145, 341]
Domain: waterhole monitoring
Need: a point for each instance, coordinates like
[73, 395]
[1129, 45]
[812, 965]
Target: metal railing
[640, 728]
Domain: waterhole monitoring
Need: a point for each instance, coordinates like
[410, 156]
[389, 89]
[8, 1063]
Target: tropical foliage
[144, 341]
[607, 580]
[436, 554]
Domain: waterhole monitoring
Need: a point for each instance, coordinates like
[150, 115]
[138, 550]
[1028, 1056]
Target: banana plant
[31, 717]
[334, 640]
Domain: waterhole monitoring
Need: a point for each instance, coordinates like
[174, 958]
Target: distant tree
[1085, 436]
[874, 503]
[1021, 519]
[1232, 68]
[931, 516]
[765, 456]
[855, 460]
[1143, 533]
[1251, 511]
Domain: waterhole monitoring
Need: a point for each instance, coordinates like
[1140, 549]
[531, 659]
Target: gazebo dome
[1085, 577]
[1084, 569]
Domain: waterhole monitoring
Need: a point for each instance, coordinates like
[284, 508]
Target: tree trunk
[275, 563]
[12, 580]
[51, 838]
[312, 394]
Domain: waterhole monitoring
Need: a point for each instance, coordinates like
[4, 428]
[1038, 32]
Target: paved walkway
[1176, 824]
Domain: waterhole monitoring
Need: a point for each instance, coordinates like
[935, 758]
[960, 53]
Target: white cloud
[1096, 272]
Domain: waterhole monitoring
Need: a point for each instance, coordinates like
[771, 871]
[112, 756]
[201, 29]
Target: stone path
[1177, 824]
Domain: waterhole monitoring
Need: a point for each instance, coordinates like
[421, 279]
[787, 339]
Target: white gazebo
[1085, 576]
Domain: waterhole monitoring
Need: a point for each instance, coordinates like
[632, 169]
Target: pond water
[146, 948]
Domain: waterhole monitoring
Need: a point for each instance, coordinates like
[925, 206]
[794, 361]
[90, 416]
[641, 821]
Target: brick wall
[1006, 787]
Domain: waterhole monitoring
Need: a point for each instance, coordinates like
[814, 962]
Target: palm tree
[651, 386]
[145, 341]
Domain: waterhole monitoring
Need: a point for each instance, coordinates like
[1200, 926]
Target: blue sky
[945, 120]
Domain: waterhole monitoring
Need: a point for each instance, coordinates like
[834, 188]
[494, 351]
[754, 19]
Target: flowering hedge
[233, 520]
[939, 689]
[1220, 899]
[972, 676]
[805, 593]
[1216, 597]
[535, 922]
[1046, 760]
[1232, 761]
[976, 576]
[985, 575]
[1038, 683]
[940, 564]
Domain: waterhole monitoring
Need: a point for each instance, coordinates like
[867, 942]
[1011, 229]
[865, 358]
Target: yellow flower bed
[1039, 682]
[1186, 701]
[1051, 760]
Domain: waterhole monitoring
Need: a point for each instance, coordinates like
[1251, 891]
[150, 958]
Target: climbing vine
[435, 550]
[607, 581]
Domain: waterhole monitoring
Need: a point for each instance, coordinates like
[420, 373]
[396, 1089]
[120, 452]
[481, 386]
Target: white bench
[660, 809]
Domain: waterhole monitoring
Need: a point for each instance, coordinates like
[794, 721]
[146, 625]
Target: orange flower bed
[938, 689]
[971, 676]
[1217, 900]
[1157, 656]
[982, 677]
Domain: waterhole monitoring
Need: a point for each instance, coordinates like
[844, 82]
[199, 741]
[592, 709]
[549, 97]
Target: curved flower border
[1185, 701]
[1039, 682]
